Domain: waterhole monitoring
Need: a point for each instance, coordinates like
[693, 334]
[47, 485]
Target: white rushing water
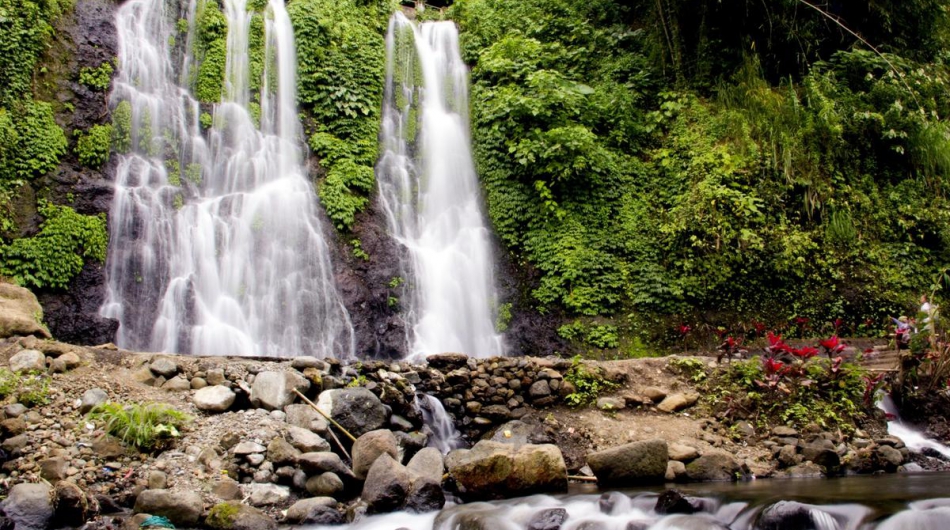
[445, 436]
[915, 440]
[215, 246]
[429, 190]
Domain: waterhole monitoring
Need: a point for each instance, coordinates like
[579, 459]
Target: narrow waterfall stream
[445, 436]
[915, 440]
[430, 193]
[216, 248]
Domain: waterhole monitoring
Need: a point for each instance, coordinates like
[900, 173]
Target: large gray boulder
[322, 462]
[217, 398]
[369, 447]
[633, 463]
[91, 398]
[493, 470]
[428, 462]
[28, 361]
[20, 313]
[357, 410]
[306, 440]
[714, 465]
[29, 506]
[275, 390]
[303, 416]
[182, 508]
[387, 485]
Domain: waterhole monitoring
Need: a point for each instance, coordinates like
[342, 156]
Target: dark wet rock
[72, 315]
[425, 494]
[447, 361]
[314, 511]
[387, 485]
[672, 501]
[358, 410]
[637, 462]
[322, 462]
[549, 519]
[790, 515]
[71, 506]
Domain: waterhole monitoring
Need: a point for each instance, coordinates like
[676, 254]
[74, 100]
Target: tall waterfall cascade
[429, 191]
[215, 245]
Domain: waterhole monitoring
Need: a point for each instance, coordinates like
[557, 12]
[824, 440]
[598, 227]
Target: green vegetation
[93, 147]
[222, 515]
[31, 389]
[588, 383]
[55, 255]
[98, 78]
[341, 69]
[712, 162]
[148, 427]
[211, 30]
[122, 127]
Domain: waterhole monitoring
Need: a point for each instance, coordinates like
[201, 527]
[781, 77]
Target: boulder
[306, 441]
[425, 494]
[678, 401]
[29, 506]
[549, 519]
[321, 462]
[279, 451]
[675, 471]
[787, 515]
[714, 465]
[492, 470]
[303, 416]
[65, 362]
[53, 469]
[387, 485]
[20, 313]
[266, 494]
[164, 366]
[682, 452]
[633, 463]
[217, 398]
[314, 511]
[275, 390]
[369, 447]
[654, 394]
[672, 501]
[428, 462]
[236, 516]
[358, 410]
[182, 508]
[325, 485]
[72, 508]
[28, 361]
[91, 398]
[179, 383]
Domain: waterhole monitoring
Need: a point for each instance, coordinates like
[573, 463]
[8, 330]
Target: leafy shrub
[146, 427]
[211, 30]
[33, 390]
[32, 142]
[56, 254]
[122, 127]
[8, 382]
[98, 78]
[93, 147]
[588, 383]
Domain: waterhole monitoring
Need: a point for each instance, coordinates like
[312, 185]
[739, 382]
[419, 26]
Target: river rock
[428, 462]
[425, 494]
[788, 515]
[682, 452]
[164, 366]
[236, 516]
[28, 361]
[314, 511]
[91, 398]
[20, 313]
[492, 470]
[306, 440]
[549, 519]
[305, 417]
[266, 494]
[248, 447]
[672, 501]
[279, 451]
[369, 447]
[325, 485]
[679, 401]
[714, 465]
[611, 403]
[637, 462]
[387, 485]
[321, 462]
[675, 471]
[447, 361]
[275, 390]
[358, 410]
[65, 362]
[217, 398]
[782, 431]
[72, 508]
[53, 469]
[29, 506]
[182, 508]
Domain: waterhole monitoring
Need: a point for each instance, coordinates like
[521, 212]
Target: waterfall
[915, 440]
[215, 245]
[445, 436]
[430, 193]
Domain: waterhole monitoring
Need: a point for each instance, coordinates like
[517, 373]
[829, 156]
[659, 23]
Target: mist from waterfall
[215, 245]
[430, 193]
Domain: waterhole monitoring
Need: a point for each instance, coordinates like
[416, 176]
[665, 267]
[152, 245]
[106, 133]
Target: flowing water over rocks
[430, 193]
[215, 243]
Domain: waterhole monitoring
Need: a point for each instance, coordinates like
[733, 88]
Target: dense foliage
[341, 69]
[735, 161]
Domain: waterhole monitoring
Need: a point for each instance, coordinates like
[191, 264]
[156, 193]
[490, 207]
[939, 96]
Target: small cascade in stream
[913, 439]
[429, 191]
[445, 436]
[215, 245]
